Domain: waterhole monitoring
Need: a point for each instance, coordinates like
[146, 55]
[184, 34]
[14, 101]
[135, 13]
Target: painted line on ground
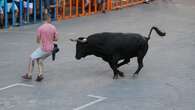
[99, 99]
[14, 85]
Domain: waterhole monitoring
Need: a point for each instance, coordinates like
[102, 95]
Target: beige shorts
[40, 54]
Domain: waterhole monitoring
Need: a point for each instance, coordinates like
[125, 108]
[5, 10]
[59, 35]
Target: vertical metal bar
[41, 14]
[6, 16]
[111, 7]
[27, 11]
[21, 12]
[77, 7]
[13, 14]
[95, 7]
[89, 8]
[108, 5]
[70, 8]
[83, 7]
[64, 9]
[57, 10]
[55, 6]
[34, 8]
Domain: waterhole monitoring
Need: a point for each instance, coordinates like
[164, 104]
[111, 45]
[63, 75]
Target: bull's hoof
[115, 77]
[121, 74]
[135, 75]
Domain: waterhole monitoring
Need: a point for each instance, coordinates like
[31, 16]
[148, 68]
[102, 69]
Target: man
[1, 13]
[46, 4]
[10, 6]
[46, 35]
[28, 7]
[102, 5]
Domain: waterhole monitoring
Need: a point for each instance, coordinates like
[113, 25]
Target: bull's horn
[84, 40]
[73, 40]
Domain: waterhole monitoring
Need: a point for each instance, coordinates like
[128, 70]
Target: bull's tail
[159, 32]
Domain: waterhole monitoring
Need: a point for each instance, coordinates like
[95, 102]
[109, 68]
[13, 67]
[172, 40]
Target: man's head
[47, 18]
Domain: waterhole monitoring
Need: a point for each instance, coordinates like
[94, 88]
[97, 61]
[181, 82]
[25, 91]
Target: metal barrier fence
[20, 12]
[66, 9]
[117, 4]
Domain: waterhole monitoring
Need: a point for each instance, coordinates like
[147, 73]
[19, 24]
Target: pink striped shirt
[47, 33]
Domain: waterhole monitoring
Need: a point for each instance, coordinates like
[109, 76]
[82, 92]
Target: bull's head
[81, 47]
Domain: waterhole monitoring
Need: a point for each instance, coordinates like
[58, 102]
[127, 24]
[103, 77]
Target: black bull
[113, 47]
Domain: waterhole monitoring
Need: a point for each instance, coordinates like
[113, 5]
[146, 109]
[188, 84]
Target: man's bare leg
[30, 70]
[40, 68]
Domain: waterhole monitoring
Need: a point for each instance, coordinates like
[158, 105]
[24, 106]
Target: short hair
[46, 17]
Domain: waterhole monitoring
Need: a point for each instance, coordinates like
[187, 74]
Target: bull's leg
[120, 64]
[120, 73]
[124, 62]
[114, 68]
[113, 64]
[140, 66]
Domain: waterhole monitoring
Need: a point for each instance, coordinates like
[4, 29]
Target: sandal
[39, 78]
[26, 76]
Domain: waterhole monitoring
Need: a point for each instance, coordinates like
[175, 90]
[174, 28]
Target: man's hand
[55, 38]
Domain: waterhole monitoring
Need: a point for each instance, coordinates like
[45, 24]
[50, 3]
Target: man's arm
[55, 35]
[38, 34]
[55, 38]
[38, 39]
